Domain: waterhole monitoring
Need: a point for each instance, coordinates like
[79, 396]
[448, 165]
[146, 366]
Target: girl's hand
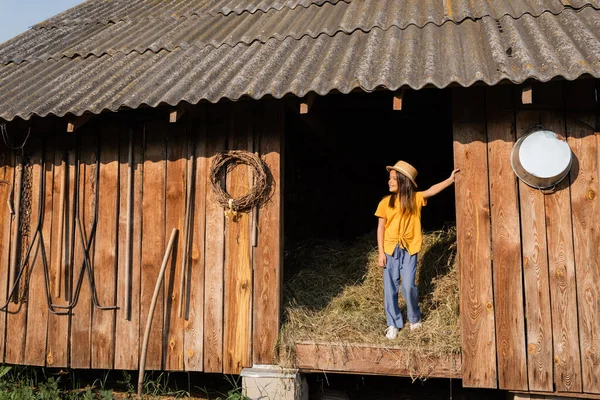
[452, 175]
[382, 260]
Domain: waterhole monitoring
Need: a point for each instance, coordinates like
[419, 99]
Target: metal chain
[25, 222]
[26, 194]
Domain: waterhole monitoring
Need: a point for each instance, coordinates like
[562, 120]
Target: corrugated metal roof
[486, 50]
[168, 34]
[417, 12]
[95, 11]
[169, 51]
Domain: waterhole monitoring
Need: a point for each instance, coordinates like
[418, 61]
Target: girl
[399, 239]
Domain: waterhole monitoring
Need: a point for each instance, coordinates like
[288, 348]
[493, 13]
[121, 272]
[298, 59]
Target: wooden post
[306, 103]
[527, 94]
[397, 102]
[176, 114]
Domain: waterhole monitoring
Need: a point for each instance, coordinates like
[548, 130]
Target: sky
[19, 15]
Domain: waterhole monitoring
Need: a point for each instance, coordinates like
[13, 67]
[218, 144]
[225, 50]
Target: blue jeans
[400, 265]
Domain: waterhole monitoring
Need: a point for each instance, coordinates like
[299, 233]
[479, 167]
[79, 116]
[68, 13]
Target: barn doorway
[334, 177]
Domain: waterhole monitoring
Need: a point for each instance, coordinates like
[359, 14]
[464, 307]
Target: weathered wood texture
[268, 255]
[127, 341]
[194, 314]
[30, 164]
[81, 319]
[120, 209]
[372, 361]
[7, 170]
[581, 126]
[37, 310]
[473, 239]
[535, 273]
[153, 237]
[544, 243]
[214, 248]
[58, 325]
[106, 250]
[561, 272]
[238, 268]
[506, 241]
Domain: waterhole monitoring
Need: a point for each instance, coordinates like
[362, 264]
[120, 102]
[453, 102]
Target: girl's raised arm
[438, 187]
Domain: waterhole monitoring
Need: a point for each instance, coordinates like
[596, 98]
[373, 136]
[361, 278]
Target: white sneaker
[391, 332]
[416, 325]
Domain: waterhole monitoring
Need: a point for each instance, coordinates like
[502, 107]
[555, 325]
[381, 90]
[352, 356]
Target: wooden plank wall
[227, 277]
[543, 335]
[506, 241]
[473, 239]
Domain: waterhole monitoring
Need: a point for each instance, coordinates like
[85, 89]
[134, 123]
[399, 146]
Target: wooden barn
[124, 121]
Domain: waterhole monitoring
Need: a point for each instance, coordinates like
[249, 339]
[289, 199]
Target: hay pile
[333, 293]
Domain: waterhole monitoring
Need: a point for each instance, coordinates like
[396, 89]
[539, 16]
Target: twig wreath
[226, 161]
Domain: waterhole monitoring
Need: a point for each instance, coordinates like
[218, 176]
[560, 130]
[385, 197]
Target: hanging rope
[224, 163]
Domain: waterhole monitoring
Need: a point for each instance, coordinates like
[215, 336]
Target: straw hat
[405, 169]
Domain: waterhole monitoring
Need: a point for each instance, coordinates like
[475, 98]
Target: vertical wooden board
[16, 325]
[506, 242]
[194, 320]
[214, 248]
[586, 236]
[105, 254]
[473, 239]
[268, 256]
[58, 325]
[7, 172]
[535, 274]
[81, 319]
[127, 341]
[175, 219]
[37, 308]
[563, 293]
[153, 238]
[238, 269]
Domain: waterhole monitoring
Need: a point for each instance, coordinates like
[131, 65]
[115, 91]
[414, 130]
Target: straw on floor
[333, 293]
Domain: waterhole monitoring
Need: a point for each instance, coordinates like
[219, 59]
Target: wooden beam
[527, 94]
[177, 113]
[372, 360]
[306, 103]
[77, 122]
[397, 102]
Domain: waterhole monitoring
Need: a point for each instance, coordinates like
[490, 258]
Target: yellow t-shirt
[404, 229]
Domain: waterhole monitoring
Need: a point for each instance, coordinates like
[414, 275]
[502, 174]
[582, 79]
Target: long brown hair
[406, 194]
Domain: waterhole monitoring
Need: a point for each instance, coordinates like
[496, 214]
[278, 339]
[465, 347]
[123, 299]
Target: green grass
[38, 383]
